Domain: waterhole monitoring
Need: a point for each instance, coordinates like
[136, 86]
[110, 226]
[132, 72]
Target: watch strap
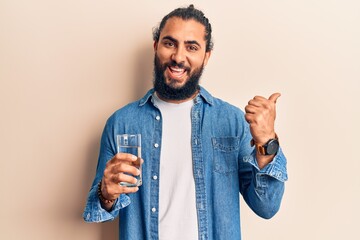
[261, 148]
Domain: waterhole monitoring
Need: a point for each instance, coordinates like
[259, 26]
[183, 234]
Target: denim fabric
[224, 165]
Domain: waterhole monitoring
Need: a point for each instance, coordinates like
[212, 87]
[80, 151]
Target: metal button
[155, 177]
[156, 145]
[157, 117]
[153, 209]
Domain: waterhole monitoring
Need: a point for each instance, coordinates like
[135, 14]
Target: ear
[155, 45]
[206, 58]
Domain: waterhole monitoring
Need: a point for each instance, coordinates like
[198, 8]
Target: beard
[170, 91]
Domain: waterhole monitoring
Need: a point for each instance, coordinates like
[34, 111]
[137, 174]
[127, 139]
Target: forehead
[184, 30]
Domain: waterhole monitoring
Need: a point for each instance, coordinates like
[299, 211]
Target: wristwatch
[269, 148]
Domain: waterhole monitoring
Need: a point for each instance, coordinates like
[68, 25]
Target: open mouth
[177, 73]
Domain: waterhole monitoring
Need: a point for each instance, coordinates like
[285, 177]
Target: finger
[251, 118]
[123, 157]
[130, 189]
[138, 162]
[259, 101]
[274, 97]
[257, 97]
[125, 167]
[248, 118]
[122, 177]
[256, 103]
[119, 189]
[250, 109]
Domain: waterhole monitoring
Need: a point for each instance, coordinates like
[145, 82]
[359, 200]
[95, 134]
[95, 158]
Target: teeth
[178, 70]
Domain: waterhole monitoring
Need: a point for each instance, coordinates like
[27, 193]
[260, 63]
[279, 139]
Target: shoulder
[218, 104]
[132, 109]
[225, 108]
[124, 112]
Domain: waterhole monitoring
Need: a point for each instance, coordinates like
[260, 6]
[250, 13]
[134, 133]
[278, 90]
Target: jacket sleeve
[261, 189]
[93, 211]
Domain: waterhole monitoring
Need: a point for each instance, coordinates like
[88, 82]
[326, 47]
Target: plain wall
[65, 66]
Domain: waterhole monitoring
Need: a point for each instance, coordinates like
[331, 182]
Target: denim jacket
[224, 165]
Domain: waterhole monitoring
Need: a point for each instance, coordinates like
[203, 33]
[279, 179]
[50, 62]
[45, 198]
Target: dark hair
[187, 13]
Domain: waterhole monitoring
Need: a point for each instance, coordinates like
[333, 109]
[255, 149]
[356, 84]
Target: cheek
[163, 55]
[196, 62]
[197, 59]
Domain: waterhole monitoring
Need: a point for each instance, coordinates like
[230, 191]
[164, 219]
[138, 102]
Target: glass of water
[131, 143]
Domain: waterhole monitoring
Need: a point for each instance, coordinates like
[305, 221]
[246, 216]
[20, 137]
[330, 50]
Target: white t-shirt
[177, 201]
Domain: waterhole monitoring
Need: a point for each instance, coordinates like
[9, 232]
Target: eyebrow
[186, 42]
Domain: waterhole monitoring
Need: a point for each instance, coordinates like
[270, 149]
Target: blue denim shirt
[224, 165]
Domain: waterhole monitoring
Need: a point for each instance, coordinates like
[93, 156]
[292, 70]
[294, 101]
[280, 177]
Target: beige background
[65, 66]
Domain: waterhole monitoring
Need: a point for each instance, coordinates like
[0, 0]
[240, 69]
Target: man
[198, 152]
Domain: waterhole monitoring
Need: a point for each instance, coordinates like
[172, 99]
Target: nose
[179, 55]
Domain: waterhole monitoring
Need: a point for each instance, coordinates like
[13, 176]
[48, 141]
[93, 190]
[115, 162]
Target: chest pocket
[226, 151]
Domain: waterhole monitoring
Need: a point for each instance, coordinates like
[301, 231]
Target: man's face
[179, 59]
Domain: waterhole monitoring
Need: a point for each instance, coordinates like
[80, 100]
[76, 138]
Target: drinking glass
[131, 143]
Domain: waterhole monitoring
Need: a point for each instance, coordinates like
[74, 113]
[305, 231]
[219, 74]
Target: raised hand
[260, 113]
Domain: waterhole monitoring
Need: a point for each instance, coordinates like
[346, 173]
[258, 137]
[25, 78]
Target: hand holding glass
[131, 143]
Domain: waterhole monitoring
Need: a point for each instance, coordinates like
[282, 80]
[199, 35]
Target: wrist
[264, 139]
[270, 147]
[263, 160]
[101, 196]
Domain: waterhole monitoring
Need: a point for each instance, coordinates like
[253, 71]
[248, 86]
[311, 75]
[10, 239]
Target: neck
[177, 101]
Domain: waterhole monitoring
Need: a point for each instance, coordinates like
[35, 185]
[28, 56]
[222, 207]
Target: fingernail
[134, 157]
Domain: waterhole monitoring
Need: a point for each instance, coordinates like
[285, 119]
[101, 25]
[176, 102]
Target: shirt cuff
[276, 168]
[95, 213]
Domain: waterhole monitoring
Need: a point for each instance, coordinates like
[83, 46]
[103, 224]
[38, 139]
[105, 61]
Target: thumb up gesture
[260, 113]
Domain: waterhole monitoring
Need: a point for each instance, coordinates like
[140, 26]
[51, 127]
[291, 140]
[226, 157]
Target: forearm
[95, 212]
[263, 160]
[264, 195]
[263, 186]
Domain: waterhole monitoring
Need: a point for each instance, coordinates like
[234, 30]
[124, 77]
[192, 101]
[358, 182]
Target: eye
[193, 48]
[168, 44]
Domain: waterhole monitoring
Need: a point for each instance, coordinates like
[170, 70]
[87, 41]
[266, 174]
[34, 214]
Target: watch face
[272, 147]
